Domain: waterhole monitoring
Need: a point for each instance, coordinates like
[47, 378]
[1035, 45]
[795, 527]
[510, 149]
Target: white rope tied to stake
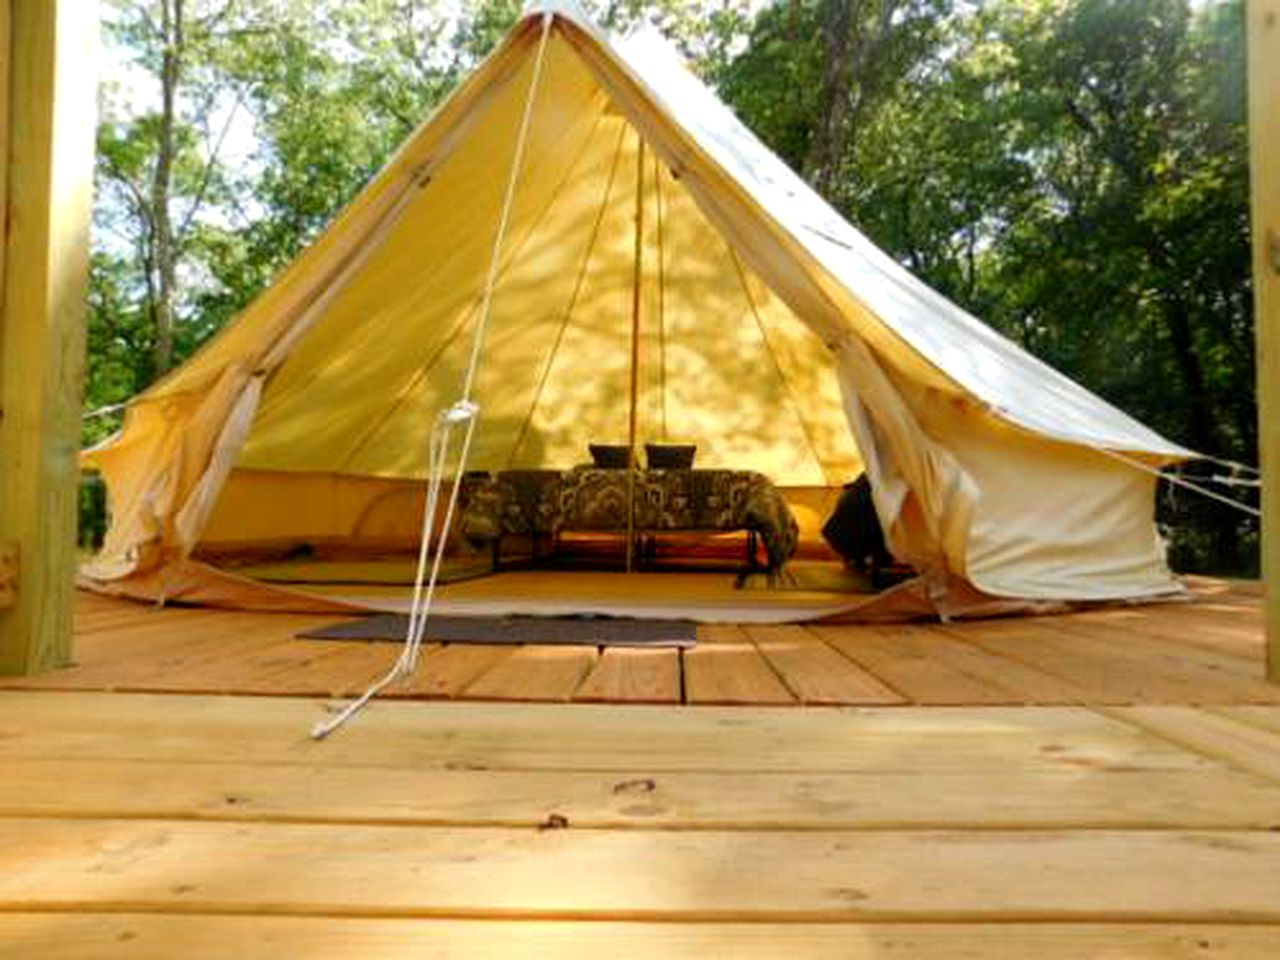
[465, 412]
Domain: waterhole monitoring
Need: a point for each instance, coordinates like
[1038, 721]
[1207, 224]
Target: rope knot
[461, 412]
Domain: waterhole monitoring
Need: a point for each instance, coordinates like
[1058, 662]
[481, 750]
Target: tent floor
[1206, 652]
[705, 597]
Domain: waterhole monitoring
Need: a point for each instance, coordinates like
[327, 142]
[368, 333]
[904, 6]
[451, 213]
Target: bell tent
[645, 268]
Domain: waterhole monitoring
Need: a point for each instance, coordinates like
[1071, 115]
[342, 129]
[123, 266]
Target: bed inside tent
[650, 275]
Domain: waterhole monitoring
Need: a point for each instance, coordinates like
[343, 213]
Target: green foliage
[1072, 172]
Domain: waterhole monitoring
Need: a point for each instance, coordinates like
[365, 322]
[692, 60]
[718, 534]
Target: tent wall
[1051, 520]
[268, 513]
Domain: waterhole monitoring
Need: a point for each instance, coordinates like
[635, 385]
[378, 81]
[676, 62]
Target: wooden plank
[181, 625]
[902, 656]
[535, 672]
[1214, 627]
[223, 665]
[318, 668]
[1114, 672]
[573, 873]
[1211, 796]
[966, 664]
[91, 621]
[50, 106]
[1183, 673]
[139, 645]
[1046, 651]
[105, 936]
[720, 633]
[232, 653]
[723, 672]
[445, 670]
[1031, 685]
[631, 675]
[1221, 675]
[193, 650]
[1268, 718]
[1246, 746]
[1235, 589]
[222, 729]
[813, 671]
[1243, 617]
[1263, 41]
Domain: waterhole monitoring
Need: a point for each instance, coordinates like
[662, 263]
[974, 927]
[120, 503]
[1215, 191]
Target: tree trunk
[834, 97]
[164, 256]
[855, 33]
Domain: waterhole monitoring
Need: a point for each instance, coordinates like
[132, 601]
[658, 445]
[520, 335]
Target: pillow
[610, 456]
[670, 456]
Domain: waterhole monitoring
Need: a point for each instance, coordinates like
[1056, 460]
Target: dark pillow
[670, 456]
[610, 456]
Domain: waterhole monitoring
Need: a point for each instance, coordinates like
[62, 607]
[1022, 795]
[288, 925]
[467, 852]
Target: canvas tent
[766, 329]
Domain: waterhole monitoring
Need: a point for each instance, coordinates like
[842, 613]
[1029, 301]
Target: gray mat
[593, 631]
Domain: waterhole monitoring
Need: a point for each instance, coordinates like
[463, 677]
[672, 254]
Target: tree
[816, 71]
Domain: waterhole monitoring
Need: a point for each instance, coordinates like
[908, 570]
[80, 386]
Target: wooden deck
[1210, 652]
[1100, 785]
[155, 827]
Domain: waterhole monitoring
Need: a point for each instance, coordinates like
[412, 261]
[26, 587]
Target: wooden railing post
[47, 121]
[1263, 38]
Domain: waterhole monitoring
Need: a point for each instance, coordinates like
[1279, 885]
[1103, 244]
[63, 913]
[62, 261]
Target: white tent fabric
[773, 333]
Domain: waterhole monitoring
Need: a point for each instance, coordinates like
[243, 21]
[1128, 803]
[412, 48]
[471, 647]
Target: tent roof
[955, 346]
[1008, 380]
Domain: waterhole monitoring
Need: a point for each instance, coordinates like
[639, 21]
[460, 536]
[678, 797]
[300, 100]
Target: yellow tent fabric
[770, 333]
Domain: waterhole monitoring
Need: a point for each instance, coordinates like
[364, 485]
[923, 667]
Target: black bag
[854, 530]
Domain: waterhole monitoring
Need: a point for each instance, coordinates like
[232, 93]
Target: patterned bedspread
[586, 498]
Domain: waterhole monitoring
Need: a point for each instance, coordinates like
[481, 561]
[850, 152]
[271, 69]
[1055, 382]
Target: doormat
[588, 630]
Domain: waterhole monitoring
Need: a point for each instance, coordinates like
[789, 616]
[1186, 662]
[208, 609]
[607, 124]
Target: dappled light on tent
[721, 362]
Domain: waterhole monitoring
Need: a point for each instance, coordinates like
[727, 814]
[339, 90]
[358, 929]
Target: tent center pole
[637, 273]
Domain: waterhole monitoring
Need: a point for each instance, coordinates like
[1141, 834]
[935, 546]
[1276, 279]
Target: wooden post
[1263, 37]
[47, 120]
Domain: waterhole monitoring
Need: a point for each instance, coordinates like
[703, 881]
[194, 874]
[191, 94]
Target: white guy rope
[1178, 481]
[1234, 465]
[1233, 481]
[105, 411]
[501, 234]
[465, 411]
[424, 585]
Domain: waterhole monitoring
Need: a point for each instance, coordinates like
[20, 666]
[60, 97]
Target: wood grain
[220, 729]
[628, 675]
[691, 875]
[1209, 796]
[99, 936]
[813, 671]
